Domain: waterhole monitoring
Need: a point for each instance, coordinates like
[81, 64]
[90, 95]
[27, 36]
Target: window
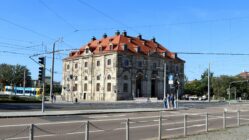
[109, 86]
[68, 66]
[85, 78]
[109, 62]
[126, 62]
[177, 68]
[139, 63]
[154, 65]
[75, 87]
[97, 86]
[76, 66]
[87, 50]
[98, 77]
[76, 78]
[85, 87]
[98, 63]
[125, 77]
[125, 87]
[85, 64]
[109, 77]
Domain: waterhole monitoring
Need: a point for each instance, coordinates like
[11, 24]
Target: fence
[156, 127]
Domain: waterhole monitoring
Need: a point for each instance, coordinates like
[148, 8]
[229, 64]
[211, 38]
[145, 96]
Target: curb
[78, 112]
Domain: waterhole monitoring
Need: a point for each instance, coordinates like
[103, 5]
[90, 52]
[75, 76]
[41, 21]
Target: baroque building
[120, 67]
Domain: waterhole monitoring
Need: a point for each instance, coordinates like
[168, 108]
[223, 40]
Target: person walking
[172, 101]
[54, 98]
[168, 101]
[165, 103]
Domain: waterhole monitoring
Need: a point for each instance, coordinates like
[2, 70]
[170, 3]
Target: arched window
[125, 77]
[85, 78]
[109, 77]
[98, 77]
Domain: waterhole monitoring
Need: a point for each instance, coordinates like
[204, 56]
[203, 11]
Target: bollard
[31, 132]
[87, 130]
[238, 118]
[127, 129]
[206, 122]
[224, 119]
[160, 127]
[185, 125]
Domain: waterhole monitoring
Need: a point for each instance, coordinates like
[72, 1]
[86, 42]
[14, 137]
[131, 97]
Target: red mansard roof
[121, 41]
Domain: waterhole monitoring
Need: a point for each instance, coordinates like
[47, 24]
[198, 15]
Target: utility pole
[209, 82]
[52, 72]
[52, 75]
[24, 81]
[164, 80]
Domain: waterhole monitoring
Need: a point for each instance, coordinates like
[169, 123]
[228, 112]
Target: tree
[14, 74]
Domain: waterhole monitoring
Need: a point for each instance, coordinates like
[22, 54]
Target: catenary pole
[164, 80]
[209, 82]
[24, 81]
[52, 75]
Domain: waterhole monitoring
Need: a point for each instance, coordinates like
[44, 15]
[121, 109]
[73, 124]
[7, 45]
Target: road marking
[96, 117]
[106, 116]
[177, 128]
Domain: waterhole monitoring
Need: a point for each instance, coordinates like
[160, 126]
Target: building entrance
[153, 88]
[139, 86]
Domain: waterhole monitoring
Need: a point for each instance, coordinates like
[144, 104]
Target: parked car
[193, 97]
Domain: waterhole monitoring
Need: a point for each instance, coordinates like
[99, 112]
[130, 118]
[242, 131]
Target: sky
[29, 27]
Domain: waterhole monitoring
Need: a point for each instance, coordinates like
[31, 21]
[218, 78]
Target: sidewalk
[235, 133]
[77, 112]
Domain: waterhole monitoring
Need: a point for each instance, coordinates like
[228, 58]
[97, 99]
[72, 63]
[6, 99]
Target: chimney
[139, 36]
[104, 35]
[117, 32]
[154, 39]
[93, 38]
[124, 33]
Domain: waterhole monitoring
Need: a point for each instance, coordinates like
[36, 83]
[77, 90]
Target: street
[143, 125]
[6, 107]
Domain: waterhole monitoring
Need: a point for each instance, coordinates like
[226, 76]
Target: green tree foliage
[219, 86]
[14, 74]
[56, 89]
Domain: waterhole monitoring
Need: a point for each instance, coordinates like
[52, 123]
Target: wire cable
[57, 15]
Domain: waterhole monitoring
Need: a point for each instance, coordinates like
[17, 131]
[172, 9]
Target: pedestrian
[172, 101]
[175, 105]
[165, 102]
[54, 98]
[168, 101]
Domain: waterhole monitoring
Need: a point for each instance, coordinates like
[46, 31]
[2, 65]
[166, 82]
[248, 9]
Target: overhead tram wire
[11, 52]
[30, 30]
[25, 28]
[207, 53]
[57, 15]
[106, 15]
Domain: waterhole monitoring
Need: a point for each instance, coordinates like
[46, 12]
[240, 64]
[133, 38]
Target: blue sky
[179, 25]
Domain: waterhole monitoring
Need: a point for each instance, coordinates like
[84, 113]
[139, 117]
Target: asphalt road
[7, 107]
[143, 125]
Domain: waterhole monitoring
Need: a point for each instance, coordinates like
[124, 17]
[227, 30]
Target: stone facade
[109, 69]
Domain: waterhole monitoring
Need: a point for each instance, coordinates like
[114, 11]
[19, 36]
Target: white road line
[177, 128]
[96, 117]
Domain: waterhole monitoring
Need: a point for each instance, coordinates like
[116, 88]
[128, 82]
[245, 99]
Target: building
[244, 75]
[120, 67]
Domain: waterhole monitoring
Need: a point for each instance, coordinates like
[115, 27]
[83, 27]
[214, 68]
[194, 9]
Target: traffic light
[41, 68]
